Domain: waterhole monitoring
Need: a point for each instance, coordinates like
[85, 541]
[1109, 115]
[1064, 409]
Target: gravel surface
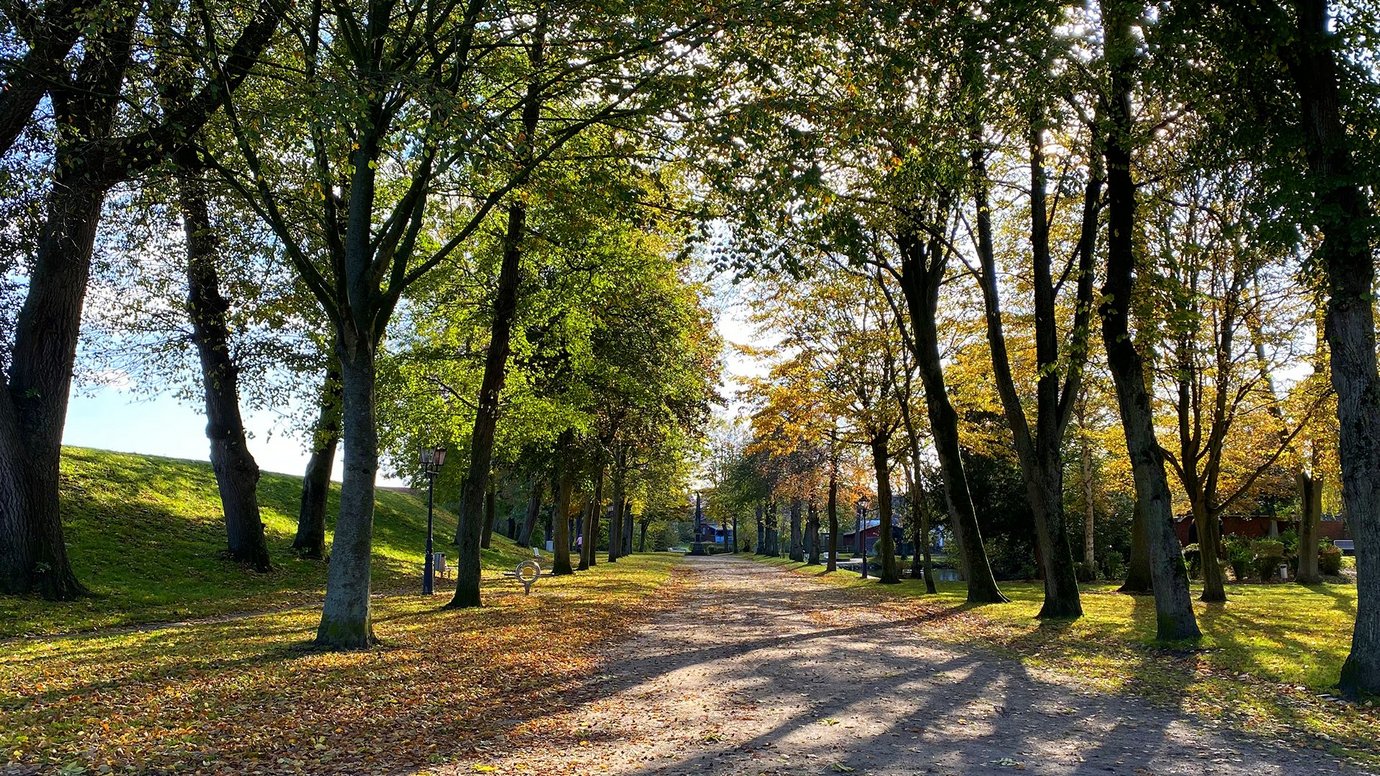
[760, 671]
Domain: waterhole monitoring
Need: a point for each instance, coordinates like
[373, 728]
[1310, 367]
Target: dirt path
[755, 675]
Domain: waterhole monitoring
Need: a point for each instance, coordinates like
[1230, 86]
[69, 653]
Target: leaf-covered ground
[1267, 663]
[146, 535]
[248, 695]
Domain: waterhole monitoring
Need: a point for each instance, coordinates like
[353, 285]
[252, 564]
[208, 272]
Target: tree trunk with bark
[797, 551]
[1085, 463]
[1173, 607]
[33, 404]
[310, 541]
[923, 268]
[812, 534]
[490, 516]
[1343, 214]
[831, 507]
[1138, 578]
[346, 622]
[237, 474]
[761, 530]
[560, 515]
[529, 523]
[467, 574]
[886, 541]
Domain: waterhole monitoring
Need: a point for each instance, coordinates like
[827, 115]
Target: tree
[95, 146]
[1174, 610]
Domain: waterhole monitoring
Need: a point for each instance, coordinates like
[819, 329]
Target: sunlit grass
[146, 535]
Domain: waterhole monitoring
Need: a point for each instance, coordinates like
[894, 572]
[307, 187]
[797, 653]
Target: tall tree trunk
[1310, 519]
[761, 530]
[560, 515]
[490, 516]
[346, 622]
[310, 541]
[812, 534]
[616, 532]
[831, 560]
[797, 552]
[1342, 214]
[33, 552]
[237, 474]
[642, 537]
[33, 404]
[1089, 511]
[467, 574]
[886, 541]
[1138, 578]
[1210, 552]
[1173, 606]
[922, 272]
[627, 526]
[524, 538]
[1038, 453]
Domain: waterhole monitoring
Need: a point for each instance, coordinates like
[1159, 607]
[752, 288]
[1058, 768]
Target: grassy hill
[145, 534]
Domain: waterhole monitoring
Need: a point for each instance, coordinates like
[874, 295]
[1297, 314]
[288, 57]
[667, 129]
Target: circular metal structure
[527, 572]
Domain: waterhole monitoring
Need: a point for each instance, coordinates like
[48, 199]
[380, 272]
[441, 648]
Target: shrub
[1193, 556]
[1239, 555]
[1330, 560]
[1086, 572]
[1113, 565]
[1269, 553]
[1290, 539]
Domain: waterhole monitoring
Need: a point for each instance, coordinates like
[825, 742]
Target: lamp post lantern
[431, 466]
[862, 538]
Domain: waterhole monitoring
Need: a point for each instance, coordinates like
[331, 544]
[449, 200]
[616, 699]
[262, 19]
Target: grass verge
[146, 535]
[248, 695]
[1267, 663]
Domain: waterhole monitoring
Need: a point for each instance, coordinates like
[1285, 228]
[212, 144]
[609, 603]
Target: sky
[115, 418]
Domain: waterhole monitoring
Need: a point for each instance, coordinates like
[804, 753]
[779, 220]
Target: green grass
[145, 535]
[1265, 659]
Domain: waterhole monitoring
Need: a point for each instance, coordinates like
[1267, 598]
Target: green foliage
[1269, 554]
[1330, 560]
[1240, 555]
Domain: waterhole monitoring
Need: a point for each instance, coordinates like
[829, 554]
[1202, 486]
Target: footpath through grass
[249, 696]
[1267, 664]
[146, 535]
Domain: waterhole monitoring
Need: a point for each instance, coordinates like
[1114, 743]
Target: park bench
[527, 572]
[1347, 546]
[438, 565]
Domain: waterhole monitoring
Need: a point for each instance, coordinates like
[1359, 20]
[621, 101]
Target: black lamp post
[431, 466]
[862, 538]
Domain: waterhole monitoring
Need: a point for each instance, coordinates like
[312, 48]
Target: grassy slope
[1265, 658]
[145, 534]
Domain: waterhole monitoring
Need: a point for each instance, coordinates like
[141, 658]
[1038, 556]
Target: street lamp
[862, 539]
[431, 466]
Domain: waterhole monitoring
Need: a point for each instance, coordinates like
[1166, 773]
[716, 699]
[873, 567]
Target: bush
[1193, 556]
[1113, 565]
[1239, 555]
[1290, 539]
[1086, 572]
[1330, 560]
[1269, 554]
